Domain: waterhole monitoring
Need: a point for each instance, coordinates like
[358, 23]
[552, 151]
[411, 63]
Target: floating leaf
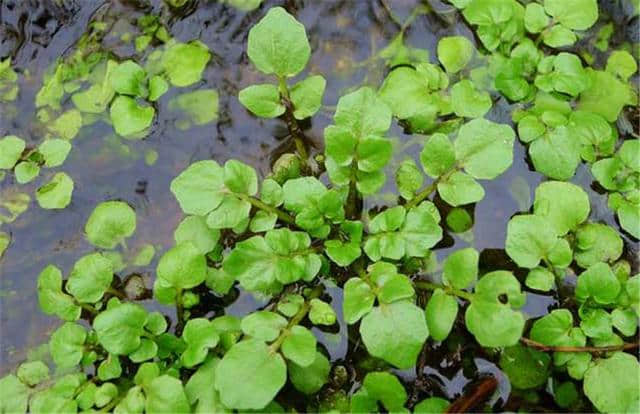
[54, 152]
[306, 96]
[56, 194]
[185, 62]
[120, 327]
[90, 278]
[11, 148]
[128, 117]
[262, 100]
[612, 384]
[110, 223]
[454, 52]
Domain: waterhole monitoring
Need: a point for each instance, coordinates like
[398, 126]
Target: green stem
[422, 195]
[351, 210]
[593, 349]
[448, 289]
[116, 293]
[179, 312]
[292, 124]
[315, 293]
[287, 218]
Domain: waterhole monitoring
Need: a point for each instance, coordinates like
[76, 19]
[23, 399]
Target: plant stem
[292, 124]
[351, 209]
[452, 291]
[114, 292]
[287, 218]
[595, 349]
[315, 293]
[422, 194]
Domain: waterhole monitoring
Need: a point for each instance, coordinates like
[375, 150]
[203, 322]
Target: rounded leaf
[110, 223]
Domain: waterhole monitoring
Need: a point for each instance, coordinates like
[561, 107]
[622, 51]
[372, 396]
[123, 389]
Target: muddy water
[343, 33]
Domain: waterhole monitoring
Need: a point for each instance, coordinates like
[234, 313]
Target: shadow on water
[342, 33]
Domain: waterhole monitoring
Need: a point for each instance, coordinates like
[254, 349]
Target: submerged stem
[448, 289]
[594, 349]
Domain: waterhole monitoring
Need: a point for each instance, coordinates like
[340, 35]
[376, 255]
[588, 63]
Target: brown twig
[594, 349]
[480, 392]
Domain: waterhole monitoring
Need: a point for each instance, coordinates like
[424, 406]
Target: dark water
[34, 33]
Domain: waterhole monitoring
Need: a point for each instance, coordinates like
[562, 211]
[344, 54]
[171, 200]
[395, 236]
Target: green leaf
[195, 230]
[525, 367]
[90, 278]
[278, 44]
[408, 179]
[26, 171]
[345, 253]
[468, 101]
[110, 368]
[183, 266]
[306, 96]
[553, 329]
[564, 205]
[612, 384]
[437, 156]
[198, 188]
[540, 278]
[165, 394]
[96, 98]
[33, 373]
[363, 113]
[624, 320]
[198, 107]
[559, 36]
[573, 14]
[263, 325]
[395, 333]
[128, 117]
[184, 62]
[54, 152]
[441, 312]
[535, 18]
[493, 323]
[597, 242]
[263, 373]
[201, 395]
[621, 64]
[199, 335]
[460, 269]
[529, 239]
[14, 395]
[386, 388]
[51, 298]
[56, 194]
[321, 313]
[408, 93]
[433, 404]
[459, 189]
[484, 148]
[358, 300]
[67, 344]
[598, 282]
[455, 52]
[299, 346]
[606, 95]
[157, 87]
[110, 223]
[596, 323]
[373, 153]
[128, 78]
[120, 327]
[567, 77]
[459, 220]
[311, 378]
[240, 178]
[264, 263]
[67, 125]
[262, 100]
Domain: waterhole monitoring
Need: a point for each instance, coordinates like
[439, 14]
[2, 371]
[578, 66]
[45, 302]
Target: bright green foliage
[300, 346]
[396, 233]
[613, 384]
[622, 64]
[110, 223]
[52, 299]
[195, 230]
[460, 269]
[128, 78]
[266, 263]
[262, 100]
[441, 312]
[525, 367]
[358, 300]
[598, 282]
[33, 373]
[409, 179]
[493, 322]
[383, 387]
[344, 252]
[468, 101]
[562, 73]
[499, 21]
[564, 205]
[306, 96]
[263, 325]
[181, 267]
[165, 394]
[263, 375]
[130, 118]
[530, 239]
[596, 242]
[119, 328]
[8, 81]
[432, 404]
[606, 95]
[56, 194]
[54, 152]
[391, 328]
[311, 378]
[321, 313]
[90, 277]
[67, 344]
[184, 63]
[26, 171]
[11, 148]
[355, 147]
[278, 44]
[200, 335]
[455, 53]
[540, 278]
